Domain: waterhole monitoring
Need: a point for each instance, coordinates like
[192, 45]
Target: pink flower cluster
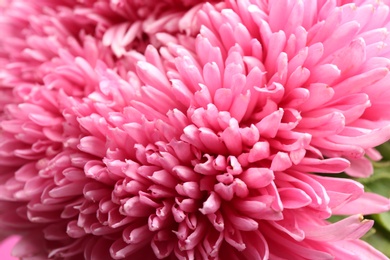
[191, 129]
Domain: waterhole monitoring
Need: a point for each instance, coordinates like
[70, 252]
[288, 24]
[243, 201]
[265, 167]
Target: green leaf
[379, 182]
[336, 218]
[384, 149]
[383, 220]
[370, 232]
[380, 240]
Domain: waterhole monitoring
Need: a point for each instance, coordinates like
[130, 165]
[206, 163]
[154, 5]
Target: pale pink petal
[367, 203]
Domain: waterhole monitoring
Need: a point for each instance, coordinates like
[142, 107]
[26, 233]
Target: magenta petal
[374, 137]
[119, 249]
[162, 249]
[26, 247]
[281, 162]
[294, 198]
[367, 203]
[92, 145]
[361, 248]
[6, 247]
[341, 191]
[350, 228]
[273, 120]
[259, 151]
[290, 225]
[360, 168]
[257, 177]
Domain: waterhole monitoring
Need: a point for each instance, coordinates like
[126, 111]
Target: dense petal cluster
[189, 130]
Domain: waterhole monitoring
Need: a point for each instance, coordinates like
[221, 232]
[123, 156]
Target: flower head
[209, 141]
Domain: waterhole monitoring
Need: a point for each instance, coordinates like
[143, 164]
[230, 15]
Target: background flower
[6, 247]
[209, 142]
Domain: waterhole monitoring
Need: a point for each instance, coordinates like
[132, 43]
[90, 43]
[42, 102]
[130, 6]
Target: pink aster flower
[205, 137]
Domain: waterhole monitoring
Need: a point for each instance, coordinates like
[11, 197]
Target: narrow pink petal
[371, 139]
[361, 248]
[356, 56]
[291, 227]
[360, 168]
[6, 247]
[271, 120]
[294, 198]
[367, 203]
[257, 177]
[350, 228]
[281, 162]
